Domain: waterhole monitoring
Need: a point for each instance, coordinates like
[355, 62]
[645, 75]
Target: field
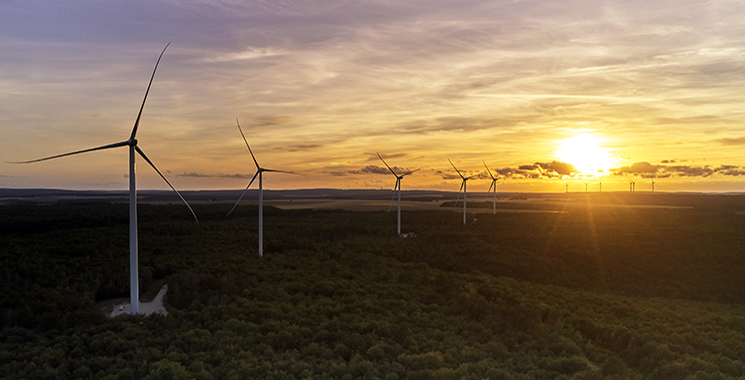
[561, 286]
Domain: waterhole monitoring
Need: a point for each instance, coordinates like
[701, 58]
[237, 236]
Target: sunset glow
[320, 86]
[587, 154]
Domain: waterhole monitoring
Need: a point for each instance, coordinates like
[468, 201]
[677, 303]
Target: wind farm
[104, 274]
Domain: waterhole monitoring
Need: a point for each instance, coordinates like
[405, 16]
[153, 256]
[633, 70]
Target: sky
[545, 94]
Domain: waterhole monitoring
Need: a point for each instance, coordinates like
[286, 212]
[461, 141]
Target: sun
[586, 153]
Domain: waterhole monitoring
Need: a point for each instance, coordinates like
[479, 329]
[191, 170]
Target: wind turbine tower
[494, 185]
[653, 186]
[134, 291]
[397, 186]
[462, 187]
[259, 172]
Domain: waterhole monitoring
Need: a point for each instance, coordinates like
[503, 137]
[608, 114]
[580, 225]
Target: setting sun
[586, 154]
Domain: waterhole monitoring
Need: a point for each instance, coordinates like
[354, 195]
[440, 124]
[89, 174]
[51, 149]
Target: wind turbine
[132, 144]
[397, 186]
[494, 185]
[259, 171]
[653, 185]
[462, 187]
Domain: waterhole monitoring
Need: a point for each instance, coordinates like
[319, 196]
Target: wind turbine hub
[132, 142]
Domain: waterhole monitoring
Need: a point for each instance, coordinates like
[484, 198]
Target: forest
[607, 286]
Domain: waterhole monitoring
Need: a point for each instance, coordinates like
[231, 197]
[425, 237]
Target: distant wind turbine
[397, 186]
[494, 185]
[653, 186]
[259, 171]
[462, 187]
[132, 144]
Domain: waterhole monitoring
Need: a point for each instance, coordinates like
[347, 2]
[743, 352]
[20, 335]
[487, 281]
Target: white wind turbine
[259, 171]
[462, 187]
[397, 186]
[132, 144]
[494, 185]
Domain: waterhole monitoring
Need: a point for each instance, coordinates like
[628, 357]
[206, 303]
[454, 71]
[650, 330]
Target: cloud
[248, 54]
[299, 147]
[731, 141]
[638, 168]
[373, 169]
[538, 170]
[270, 121]
[557, 167]
[647, 170]
[203, 175]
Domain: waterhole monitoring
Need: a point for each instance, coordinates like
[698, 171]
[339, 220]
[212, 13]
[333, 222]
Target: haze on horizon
[545, 93]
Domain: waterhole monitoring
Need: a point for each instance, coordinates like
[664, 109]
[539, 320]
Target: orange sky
[640, 90]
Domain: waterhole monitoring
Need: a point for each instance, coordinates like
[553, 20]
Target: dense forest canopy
[603, 289]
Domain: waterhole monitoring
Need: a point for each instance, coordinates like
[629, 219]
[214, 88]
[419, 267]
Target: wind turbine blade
[398, 182]
[137, 122]
[243, 193]
[386, 164]
[487, 169]
[456, 169]
[246, 141]
[281, 171]
[123, 143]
[409, 172]
[461, 189]
[137, 148]
[487, 191]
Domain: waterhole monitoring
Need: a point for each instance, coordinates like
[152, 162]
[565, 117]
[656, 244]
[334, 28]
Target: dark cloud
[730, 170]
[689, 171]
[370, 169]
[647, 170]
[638, 168]
[560, 168]
[447, 175]
[538, 170]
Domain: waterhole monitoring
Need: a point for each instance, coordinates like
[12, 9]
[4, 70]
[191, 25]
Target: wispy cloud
[220, 175]
[731, 141]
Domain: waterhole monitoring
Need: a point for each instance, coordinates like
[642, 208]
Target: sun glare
[586, 154]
